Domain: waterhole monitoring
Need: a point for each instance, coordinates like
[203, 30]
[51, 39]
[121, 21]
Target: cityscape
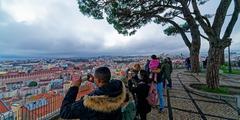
[119, 60]
[35, 88]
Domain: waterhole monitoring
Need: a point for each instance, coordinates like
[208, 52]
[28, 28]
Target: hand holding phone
[76, 80]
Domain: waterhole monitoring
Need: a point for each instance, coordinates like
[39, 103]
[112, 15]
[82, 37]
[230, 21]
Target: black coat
[103, 104]
[142, 92]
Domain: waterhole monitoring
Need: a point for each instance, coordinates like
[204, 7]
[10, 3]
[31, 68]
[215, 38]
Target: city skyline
[31, 28]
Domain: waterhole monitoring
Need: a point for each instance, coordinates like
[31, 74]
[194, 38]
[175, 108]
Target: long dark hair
[145, 76]
[90, 76]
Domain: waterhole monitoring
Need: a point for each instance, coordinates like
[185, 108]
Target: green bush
[225, 70]
[203, 87]
[32, 84]
[28, 94]
[220, 90]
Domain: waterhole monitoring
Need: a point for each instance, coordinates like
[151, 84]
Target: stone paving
[183, 105]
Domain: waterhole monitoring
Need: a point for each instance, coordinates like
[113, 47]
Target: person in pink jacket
[153, 65]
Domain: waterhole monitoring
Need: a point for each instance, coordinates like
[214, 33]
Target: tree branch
[220, 16]
[170, 6]
[206, 38]
[207, 29]
[233, 20]
[184, 36]
[180, 17]
[207, 21]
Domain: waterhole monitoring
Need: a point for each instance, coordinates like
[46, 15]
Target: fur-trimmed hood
[107, 98]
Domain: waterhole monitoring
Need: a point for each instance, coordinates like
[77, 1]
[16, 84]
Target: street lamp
[229, 60]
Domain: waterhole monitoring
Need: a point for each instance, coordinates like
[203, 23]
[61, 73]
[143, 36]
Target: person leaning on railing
[102, 104]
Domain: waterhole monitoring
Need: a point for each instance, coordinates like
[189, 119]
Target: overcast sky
[56, 28]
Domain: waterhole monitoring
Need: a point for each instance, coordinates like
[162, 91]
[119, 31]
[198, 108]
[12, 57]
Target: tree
[217, 42]
[127, 16]
[32, 84]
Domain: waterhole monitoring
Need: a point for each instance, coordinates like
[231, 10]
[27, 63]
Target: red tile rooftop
[3, 107]
[6, 99]
[40, 72]
[45, 80]
[54, 102]
[45, 95]
[43, 84]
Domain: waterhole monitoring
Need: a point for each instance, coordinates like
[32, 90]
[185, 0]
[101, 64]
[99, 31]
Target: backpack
[152, 97]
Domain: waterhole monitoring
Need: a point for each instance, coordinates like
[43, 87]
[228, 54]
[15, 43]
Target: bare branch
[220, 16]
[206, 38]
[207, 29]
[207, 21]
[233, 20]
[180, 17]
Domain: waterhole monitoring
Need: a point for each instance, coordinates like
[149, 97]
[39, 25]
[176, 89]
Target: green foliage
[91, 8]
[32, 84]
[225, 70]
[126, 16]
[220, 90]
[171, 30]
[203, 87]
[28, 94]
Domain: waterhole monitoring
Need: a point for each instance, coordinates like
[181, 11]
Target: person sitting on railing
[102, 104]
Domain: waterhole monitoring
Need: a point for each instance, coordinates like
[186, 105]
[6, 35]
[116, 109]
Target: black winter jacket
[142, 93]
[103, 104]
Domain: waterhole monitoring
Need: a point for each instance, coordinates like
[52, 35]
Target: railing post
[238, 106]
[51, 109]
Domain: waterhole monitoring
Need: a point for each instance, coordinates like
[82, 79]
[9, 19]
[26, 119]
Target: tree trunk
[194, 53]
[222, 59]
[213, 65]
[194, 57]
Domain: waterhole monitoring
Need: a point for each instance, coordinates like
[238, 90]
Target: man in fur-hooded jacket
[102, 104]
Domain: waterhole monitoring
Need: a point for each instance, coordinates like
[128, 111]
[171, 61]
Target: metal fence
[42, 110]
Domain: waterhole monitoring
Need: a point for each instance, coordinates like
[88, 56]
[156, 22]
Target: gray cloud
[57, 28]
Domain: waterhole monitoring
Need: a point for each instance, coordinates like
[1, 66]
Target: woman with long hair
[143, 107]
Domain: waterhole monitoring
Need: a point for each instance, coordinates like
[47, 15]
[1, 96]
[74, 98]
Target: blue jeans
[160, 94]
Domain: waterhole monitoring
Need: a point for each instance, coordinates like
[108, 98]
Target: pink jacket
[154, 64]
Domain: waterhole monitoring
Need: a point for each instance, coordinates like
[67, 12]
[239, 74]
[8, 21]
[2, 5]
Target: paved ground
[183, 105]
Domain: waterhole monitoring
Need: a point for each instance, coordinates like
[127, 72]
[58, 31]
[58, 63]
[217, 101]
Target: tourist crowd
[114, 100]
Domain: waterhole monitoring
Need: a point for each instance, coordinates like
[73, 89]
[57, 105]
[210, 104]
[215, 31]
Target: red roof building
[52, 105]
[3, 107]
